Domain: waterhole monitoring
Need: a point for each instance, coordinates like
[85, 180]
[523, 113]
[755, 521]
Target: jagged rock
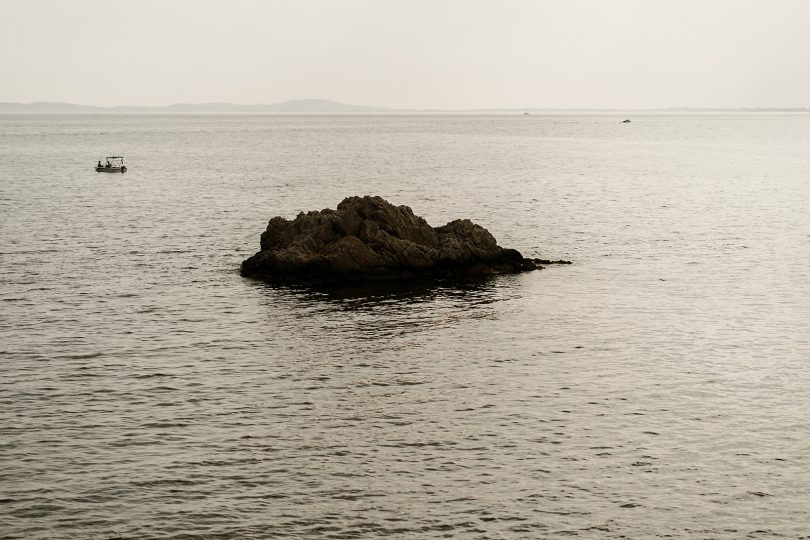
[368, 238]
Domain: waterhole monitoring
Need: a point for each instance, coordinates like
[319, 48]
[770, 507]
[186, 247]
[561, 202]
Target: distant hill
[291, 106]
[45, 107]
[327, 106]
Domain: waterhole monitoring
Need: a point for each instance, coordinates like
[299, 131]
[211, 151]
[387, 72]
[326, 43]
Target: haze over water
[656, 387]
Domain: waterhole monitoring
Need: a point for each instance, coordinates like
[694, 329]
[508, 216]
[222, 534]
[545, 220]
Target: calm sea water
[658, 387]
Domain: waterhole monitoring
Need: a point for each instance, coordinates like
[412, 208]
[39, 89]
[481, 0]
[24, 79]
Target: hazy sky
[411, 54]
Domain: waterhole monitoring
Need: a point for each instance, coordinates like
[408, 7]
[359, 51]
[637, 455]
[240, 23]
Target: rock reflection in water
[374, 311]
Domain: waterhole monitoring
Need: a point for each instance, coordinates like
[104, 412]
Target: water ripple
[654, 389]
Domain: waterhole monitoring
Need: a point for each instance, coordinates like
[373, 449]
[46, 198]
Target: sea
[658, 387]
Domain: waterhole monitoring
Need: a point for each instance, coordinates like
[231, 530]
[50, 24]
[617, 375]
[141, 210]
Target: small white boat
[112, 164]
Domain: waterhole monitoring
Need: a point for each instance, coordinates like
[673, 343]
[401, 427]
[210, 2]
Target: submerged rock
[368, 238]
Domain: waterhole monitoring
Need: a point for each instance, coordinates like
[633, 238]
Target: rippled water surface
[657, 387]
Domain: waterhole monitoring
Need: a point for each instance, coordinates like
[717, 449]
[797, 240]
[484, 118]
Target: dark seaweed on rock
[368, 238]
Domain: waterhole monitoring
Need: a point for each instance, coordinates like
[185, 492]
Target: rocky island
[368, 238]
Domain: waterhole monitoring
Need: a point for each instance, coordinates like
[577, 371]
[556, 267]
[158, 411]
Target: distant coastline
[291, 106]
[315, 106]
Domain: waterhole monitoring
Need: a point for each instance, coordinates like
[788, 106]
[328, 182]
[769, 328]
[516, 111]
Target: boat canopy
[114, 161]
